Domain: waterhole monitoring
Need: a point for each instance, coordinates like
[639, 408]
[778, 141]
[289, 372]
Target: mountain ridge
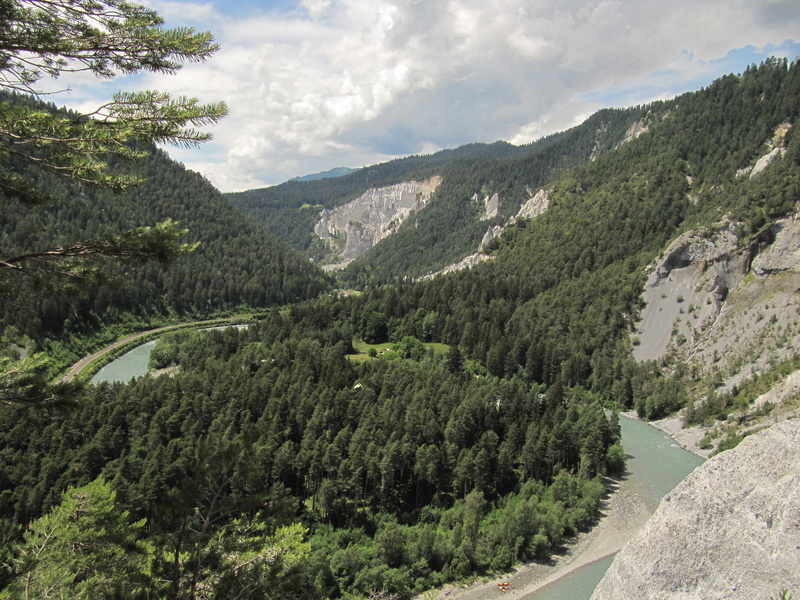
[334, 172]
[291, 211]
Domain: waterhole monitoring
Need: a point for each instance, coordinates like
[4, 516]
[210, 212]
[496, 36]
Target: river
[656, 464]
[124, 368]
[134, 362]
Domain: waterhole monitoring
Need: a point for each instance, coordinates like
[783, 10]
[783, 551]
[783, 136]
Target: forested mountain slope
[237, 264]
[565, 287]
[453, 223]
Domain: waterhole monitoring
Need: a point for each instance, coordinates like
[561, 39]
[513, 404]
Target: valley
[455, 417]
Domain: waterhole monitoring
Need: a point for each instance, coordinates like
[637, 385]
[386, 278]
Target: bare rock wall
[731, 530]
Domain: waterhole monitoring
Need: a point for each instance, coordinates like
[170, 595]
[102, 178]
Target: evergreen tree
[85, 548]
[48, 39]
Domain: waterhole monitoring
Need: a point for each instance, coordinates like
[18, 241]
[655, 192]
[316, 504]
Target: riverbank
[655, 465]
[783, 400]
[623, 512]
[139, 338]
[687, 438]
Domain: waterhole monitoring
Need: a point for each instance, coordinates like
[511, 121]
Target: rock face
[696, 271]
[731, 530]
[354, 228]
[535, 206]
[716, 304]
[491, 206]
[465, 263]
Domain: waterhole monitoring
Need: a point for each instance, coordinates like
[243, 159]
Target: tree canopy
[45, 39]
[42, 39]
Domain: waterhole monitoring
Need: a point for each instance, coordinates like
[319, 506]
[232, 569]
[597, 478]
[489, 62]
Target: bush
[615, 459]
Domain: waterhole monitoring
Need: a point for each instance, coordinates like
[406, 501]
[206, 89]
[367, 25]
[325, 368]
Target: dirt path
[622, 514]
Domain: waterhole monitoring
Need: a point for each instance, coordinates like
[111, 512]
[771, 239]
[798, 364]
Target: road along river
[85, 361]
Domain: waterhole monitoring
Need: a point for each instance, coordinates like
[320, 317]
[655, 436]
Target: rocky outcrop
[490, 234]
[354, 228]
[691, 281]
[635, 130]
[491, 206]
[776, 149]
[714, 304]
[465, 263]
[731, 530]
[535, 206]
[766, 160]
[783, 254]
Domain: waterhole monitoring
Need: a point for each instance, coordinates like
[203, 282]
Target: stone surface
[731, 530]
[766, 160]
[535, 206]
[784, 253]
[717, 304]
[491, 207]
[354, 228]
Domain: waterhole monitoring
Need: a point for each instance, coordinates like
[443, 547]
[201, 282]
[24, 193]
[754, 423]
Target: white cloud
[316, 8]
[313, 84]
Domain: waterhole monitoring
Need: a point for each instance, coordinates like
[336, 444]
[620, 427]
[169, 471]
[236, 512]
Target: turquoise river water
[131, 364]
[656, 464]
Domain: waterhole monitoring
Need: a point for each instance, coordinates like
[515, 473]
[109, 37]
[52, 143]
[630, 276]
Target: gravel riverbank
[623, 512]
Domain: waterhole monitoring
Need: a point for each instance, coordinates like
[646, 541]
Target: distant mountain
[453, 224]
[291, 210]
[484, 188]
[335, 172]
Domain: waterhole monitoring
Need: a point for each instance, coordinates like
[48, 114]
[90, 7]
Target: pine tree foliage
[44, 39]
[266, 429]
[85, 548]
[64, 233]
[47, 39]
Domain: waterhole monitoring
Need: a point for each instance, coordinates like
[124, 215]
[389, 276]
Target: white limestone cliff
[354, 228]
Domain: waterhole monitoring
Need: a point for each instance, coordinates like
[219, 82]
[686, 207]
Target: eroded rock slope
[354, 228]
[719, 306]
[730, 531]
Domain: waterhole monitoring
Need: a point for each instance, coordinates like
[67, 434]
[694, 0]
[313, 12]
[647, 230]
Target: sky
[316, 84]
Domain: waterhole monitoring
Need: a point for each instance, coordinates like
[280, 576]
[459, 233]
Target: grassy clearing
[363, 350]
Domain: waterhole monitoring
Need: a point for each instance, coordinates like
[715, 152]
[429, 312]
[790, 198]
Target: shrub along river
[656, 464]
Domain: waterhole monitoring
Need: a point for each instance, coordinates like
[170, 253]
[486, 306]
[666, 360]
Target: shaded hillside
[479, 193]
[236, 265]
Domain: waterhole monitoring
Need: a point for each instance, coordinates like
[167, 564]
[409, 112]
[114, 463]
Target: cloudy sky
[317, 84]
